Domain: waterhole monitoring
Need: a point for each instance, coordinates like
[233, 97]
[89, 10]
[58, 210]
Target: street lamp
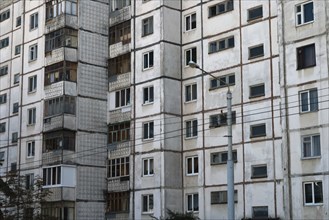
[230, 168]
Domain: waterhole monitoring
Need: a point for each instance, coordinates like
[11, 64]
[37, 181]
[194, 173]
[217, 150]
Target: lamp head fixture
[192, 64]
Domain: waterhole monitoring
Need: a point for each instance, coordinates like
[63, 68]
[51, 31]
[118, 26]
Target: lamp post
[230, 168]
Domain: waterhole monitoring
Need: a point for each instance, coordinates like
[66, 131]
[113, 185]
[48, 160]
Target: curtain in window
[316, 145]
[314, 100]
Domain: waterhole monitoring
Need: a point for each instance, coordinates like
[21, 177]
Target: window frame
[149, 56]
[221, 119]
[222, 197]
[5, 15]
[250, 56]
[3, 98]
[2, 127]
[311, 145]
[147, 26]
[31, 113]
[18, 21]
[252, 135]
[310, 102]
[18, 49]
[259, 94]
[254, 9]
[149, 203]
[262, 175]
[148, 95]
[4, 42]
[220, 156]
[30, 149]
[34, 21]
[118, 168]
[32, 84]
[16, 78]
[313, 203]
[301, 13]
[14, 137]
[221, 44]
[191, 128]
[191, 198]
[15, 108]
[148, 170]
[3, 70]
[190, 22]
[118, 202]
[301, 56]
[192, 56]
[216, 7]
[219, 81]
[259, 207]
[33, 52]
[148, 130]
[194, 166]
[119, 132]
[191, 92]
[122, 98]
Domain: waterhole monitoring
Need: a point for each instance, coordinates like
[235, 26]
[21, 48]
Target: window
[119, 132]
[260, 212]
[118, 202]
[255, 13]
[120, 33]
[148, 94]
[34, 21]
[257, 130]
[30, 149]
[122, 98]
[13, 167]
[147, 203]
[15, 107]
[190, 22]
[147, 26]
[147, 60]
[5, 15]
[2, 156]
[256, 51]
[304, 13]
[14, 137]
[4, 70]
[59, 105]
[32, 83]
[16, 78]
[222, 81]
[17, 49]
[148, 167]
[190, 55]
[221, 44]
[2, 127]
[33, 52]
[18, 21]
[193, 202]
[118, 167]
[4, 42]
[308, 100]
[31, 116]
[52, 176]
[29, 181]
[257, 91]
[56, 8]
[190, 92]
[120, 64]
[3, 98]
[311, 146]
[221, 119]
[306, 56]
[220, 197]
[220, 8]
[313, 193]
[59, 140]
[192, 165]
[259, 171]
[191, 128]
[148, 130]
[65, 37]
[221, 157]
[62, 71]
[118, 4]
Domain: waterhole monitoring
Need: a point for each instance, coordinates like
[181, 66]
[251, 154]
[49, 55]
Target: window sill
[305, 67]
[259, 18]
[313, 204]
[258, 177]
[30, 125]
[145, 35]
[145, 69]
[147, 103]
[147, 213]
[29, 157]
[257, 136]
[186, 31]
[311, 158]
[303, 24]
[255, 57]
[189, 138]
[305, 112]
[191, 101]
[256, 96]
[148, 139]
[32, 92]
[151, 175]
[192, 174]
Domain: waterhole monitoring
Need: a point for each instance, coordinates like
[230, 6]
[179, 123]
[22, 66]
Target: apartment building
[98, 98]
[54, 95]
[303, 45]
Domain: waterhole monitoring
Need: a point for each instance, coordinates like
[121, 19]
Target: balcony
[119, 81]
[59, 122]
[61, 194]
[118, 184]
[59, 89]
[61, 54]
[119, 48]
[60, 22]
[120, 15]
[119, 115]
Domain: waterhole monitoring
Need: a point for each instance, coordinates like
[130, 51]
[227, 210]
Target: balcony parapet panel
[60, 22]
[120, 15]
[61, 54]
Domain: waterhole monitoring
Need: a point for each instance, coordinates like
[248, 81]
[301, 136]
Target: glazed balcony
[60, 22]
[119, 15]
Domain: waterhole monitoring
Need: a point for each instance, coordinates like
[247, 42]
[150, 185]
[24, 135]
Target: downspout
[134, 110]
